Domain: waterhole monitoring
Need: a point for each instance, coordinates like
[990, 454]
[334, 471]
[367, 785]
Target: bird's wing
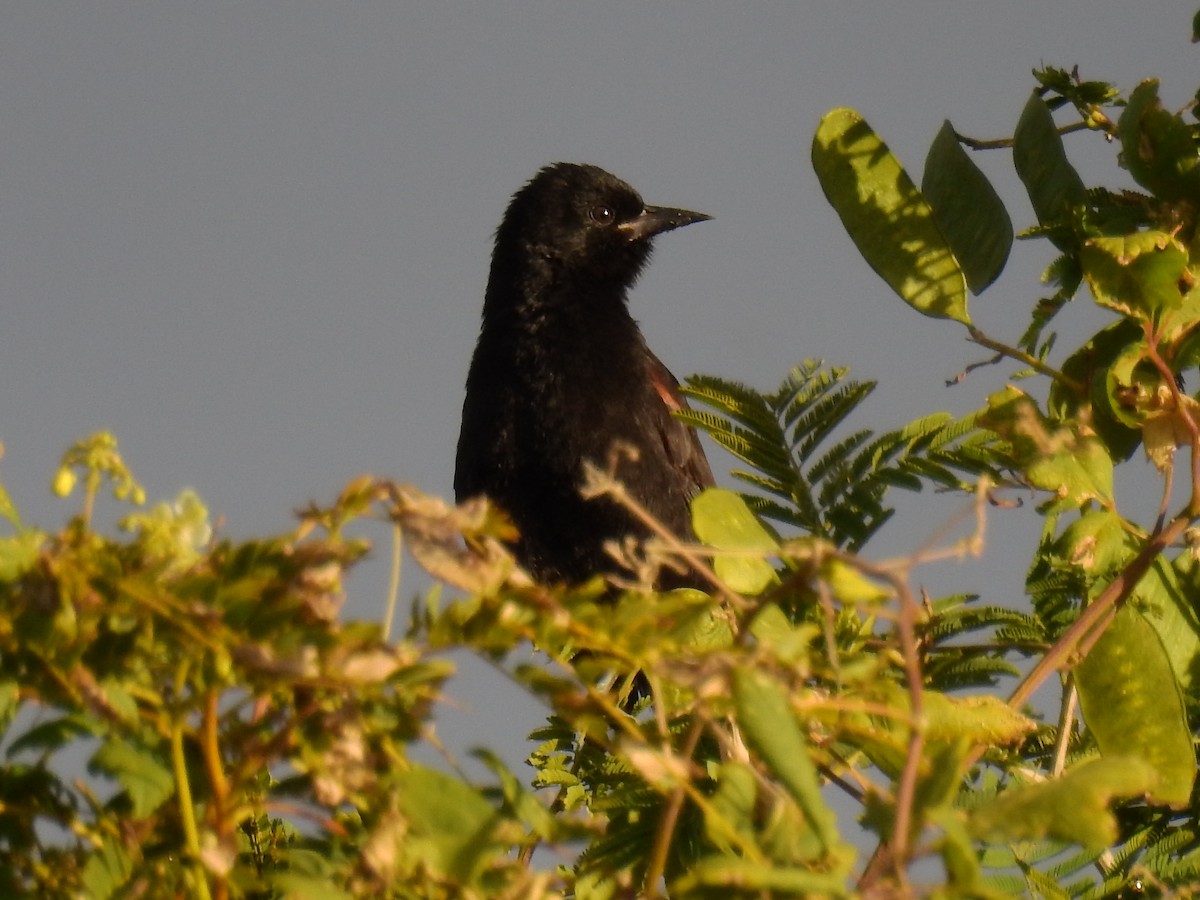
[680, 441]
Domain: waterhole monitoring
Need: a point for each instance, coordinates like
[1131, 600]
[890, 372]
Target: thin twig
[1066, 725]
[1002, 143]
[211, 752]
[393, 580]
[907, 788]
[598, 482]
[670, 817]
[1028, 359]
[1116, 592]
[971, 367]
[183, 792]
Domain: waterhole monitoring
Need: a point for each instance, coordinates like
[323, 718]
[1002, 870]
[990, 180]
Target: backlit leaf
[887, 217]
[1074, 807]
[1158, 147]
[143, 776]
[771, 730]
[722, 520]
[1132, 704]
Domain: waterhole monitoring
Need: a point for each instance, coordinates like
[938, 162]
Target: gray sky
[252, 239]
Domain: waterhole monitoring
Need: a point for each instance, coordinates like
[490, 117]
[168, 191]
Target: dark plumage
[562, 373]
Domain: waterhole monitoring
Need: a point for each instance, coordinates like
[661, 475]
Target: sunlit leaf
[108, 869]
[451, 824]
[771, 730]
[980, 719]
[1158, 147]
[1074, 466]
[1166, 597]
[148, 782]
[1132, 705]
[1097, 542]
[7, 509]
[1074, 807]
[887, 217]
[1138, 275]
[722, 520]
[19, 553]
[727, 873]
[850, 585]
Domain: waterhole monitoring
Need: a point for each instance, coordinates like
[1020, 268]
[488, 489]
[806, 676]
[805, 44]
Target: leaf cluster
[182, 714]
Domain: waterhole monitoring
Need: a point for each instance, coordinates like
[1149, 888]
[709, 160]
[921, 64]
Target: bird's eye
[602, 214]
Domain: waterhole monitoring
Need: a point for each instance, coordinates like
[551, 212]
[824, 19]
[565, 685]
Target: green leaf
[722, 520]
[1050, 180]
[788, 642]
[52, 735]
[698, 623]
[19, 553]
[7, 509]
[1096, 542]
[10, 702]
[1140, 275]
[850, 585]
[525, 805]
[729, 816]
[146, 780]
[107, 870]
[967, 209]
[1133, 707]
[451, 824]
[772, 732]
[1072, 465]
[1158, 147]
[1093, 365]
[887, 218]
[305, 875]
[729, 874]
[1166, 595]
[979, 720]
[1074, 807]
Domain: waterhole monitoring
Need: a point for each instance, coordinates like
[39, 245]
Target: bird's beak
[657, 219]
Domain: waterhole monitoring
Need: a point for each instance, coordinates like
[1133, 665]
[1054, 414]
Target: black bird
[562, 375]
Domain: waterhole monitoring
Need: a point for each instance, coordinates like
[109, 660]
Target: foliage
[242, 740]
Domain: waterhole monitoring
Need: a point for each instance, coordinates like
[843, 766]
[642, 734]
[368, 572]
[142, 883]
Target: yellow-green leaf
[1073, 465]
[147, 781]
[1074, 807]
[771, 730]
[722, 520]
[887, 217]
[1133, 707]
[1138, 275]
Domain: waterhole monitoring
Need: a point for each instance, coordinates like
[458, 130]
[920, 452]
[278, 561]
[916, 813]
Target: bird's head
[579, 221]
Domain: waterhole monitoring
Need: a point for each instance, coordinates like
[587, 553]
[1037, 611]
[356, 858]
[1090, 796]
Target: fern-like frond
[821, 416]
[949, 624]
[737, 402]
[954, 671]
[752, 446]
[822, 483]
